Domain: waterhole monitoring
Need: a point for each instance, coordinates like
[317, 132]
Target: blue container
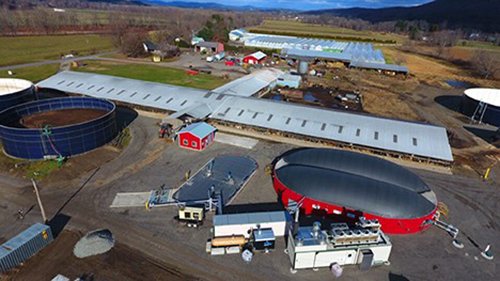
[35, 143]
[14, 92]
[24, 245]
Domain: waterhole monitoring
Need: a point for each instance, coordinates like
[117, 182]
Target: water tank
[303, 67]
[14, 92]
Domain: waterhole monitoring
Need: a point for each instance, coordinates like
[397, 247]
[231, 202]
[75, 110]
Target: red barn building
[196, 136]
[255, 58]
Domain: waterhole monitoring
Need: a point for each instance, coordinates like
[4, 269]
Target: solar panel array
[380, 133]
[364, 52]
[283, 42]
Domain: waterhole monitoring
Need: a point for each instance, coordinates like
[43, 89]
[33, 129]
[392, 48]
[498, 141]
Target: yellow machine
[191, 216]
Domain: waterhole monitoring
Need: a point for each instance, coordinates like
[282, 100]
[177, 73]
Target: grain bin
[23, 246]
[303, 67]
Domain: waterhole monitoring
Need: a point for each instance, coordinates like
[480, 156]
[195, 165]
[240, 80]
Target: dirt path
[58, 258]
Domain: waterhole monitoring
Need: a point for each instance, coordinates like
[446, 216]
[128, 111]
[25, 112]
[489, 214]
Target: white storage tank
[15, 91]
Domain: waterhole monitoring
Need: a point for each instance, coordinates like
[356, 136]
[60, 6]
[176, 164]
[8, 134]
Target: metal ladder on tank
[479, 112]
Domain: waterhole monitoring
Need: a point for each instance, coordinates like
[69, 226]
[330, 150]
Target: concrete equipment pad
[130, 199]
[244, 142]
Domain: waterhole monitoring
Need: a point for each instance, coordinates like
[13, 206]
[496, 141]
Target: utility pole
[42, 210]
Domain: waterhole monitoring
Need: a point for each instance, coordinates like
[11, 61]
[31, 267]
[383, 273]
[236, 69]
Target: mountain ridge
[477, 14]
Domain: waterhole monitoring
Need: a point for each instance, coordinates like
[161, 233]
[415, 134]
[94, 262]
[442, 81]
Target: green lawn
[24, 49]
[478, 45]
[154, 74]
[34, 74]
[294, 28]
[29, 169]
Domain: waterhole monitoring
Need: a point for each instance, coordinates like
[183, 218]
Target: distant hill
[198, 5]
[118, 2]
[18, 4]
[468, 14]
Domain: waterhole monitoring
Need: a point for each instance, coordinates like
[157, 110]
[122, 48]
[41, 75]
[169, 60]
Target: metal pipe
[42, 210]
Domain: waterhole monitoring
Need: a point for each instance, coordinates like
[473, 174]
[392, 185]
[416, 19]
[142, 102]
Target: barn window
[185, 142]
[194, 144]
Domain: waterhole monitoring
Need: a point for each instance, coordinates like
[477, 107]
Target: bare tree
[486, 63]
[131, 44]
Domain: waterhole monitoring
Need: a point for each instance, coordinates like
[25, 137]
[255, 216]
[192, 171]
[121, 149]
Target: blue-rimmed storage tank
[57, 127]
[15, 91]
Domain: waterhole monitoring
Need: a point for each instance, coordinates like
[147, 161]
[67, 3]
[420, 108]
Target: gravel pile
[94, 243]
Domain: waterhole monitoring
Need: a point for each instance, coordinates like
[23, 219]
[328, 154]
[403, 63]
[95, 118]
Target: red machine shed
[255, 58]
[196, 136]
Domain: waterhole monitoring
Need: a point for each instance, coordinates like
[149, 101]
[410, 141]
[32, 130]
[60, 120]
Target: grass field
[294, 28]
[34, 73]
[24, 49]
[478, 45]
[154, 74]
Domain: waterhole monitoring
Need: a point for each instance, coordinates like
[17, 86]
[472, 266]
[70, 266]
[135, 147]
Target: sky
[315, 4]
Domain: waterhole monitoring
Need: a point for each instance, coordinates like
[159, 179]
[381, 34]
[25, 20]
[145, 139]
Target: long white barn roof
[379, 133]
